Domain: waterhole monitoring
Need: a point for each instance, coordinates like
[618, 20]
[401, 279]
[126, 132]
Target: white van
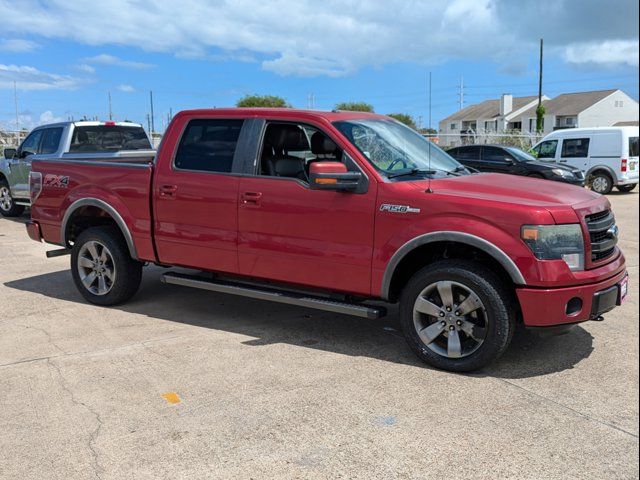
[607, 155]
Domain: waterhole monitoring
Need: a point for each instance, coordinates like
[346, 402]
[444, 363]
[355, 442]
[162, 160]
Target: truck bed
[123, 182]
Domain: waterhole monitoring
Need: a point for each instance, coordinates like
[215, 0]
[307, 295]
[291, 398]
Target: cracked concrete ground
[275, 391]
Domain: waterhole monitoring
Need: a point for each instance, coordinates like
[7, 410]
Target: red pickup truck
[331, 210]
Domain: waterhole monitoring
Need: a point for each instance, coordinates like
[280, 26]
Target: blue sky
[66, 57]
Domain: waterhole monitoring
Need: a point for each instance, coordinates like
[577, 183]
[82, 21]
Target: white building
[483, 122]
[602, 108]
[486, 118]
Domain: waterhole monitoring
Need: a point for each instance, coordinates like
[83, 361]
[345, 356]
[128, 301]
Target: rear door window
[575, 148]
[208, 145]
[108, 138]
[547, 149]
[634, 147]
[494, 154]
[51, 140]
[467, 153]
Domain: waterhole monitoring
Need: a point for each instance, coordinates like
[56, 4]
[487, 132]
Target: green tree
[404, 118]
[540, 111]
[271, 101]
[355, 106]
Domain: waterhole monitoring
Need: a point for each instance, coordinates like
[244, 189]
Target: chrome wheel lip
[450, 332]
[96, 268]
[6, 202]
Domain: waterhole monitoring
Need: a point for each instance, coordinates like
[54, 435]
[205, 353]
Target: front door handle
[251, 198]
[168, 190]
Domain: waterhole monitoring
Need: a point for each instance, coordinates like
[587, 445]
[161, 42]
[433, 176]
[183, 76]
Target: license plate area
[623, 290]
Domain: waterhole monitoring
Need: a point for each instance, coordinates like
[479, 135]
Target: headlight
[555, 242]
[562, 173]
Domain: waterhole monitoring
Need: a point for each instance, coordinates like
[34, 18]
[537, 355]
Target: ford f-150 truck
[68, 140]
[330, 210]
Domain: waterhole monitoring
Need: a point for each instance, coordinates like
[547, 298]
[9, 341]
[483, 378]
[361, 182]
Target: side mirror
[332, 176]
[9, 153]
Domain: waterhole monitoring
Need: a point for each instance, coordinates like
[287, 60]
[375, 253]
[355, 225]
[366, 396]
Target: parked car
[329, 210]
[65, 141]
[607, 155]
[513, 161]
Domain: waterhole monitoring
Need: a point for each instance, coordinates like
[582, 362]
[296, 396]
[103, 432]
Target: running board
[280, 296]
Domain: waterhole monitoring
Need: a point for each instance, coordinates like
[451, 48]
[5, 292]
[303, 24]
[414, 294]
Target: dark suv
[512, 160]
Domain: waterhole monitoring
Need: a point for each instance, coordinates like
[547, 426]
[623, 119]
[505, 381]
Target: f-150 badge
[387, 207]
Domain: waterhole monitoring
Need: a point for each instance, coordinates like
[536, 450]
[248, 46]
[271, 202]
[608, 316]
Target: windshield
[520, 155]
[396, 151]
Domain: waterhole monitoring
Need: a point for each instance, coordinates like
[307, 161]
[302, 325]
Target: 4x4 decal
[56, 181]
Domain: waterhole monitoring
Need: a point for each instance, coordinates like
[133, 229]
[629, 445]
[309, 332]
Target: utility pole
[461, 93]
[311, 100]
[149, 124]
[151, 99]
[429, 102]
[15, 101]
[110, 110]
[540, 108]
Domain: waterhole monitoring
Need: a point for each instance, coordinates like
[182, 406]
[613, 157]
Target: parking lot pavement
[181, 383]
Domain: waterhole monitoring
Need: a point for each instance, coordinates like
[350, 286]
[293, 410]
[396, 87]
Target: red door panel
[290, 233]
[196, 222]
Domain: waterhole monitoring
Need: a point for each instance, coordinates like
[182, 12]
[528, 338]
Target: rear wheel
[601, 182]
[102, 269]
[8, 207]
[456, 315]
[627, 188]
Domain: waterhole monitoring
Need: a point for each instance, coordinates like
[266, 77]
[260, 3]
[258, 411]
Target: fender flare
[95, 202]
[606, 168]
[459, 237]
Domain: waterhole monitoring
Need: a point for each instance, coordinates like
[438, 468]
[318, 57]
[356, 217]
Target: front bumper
[33, 230]
[550, 307]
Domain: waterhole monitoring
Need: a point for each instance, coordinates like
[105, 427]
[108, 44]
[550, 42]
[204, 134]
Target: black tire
[498, 311]
[127, 271]
[601, 182]
[627, 188]
[8, 207]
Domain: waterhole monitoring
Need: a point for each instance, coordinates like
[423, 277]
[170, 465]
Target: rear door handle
[251, 198]
[168, 190]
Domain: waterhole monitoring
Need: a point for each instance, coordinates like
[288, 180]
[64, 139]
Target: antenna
[110, 110]
[429, 139]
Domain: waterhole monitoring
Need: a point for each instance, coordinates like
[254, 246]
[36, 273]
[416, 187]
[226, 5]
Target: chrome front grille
[603, 234]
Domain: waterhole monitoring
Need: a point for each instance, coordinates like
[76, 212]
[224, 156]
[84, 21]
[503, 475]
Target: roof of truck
[332, 116]
[88, 123]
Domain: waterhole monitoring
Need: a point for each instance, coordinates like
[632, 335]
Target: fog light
[574, 306]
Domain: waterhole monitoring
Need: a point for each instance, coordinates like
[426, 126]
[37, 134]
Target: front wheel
[627, 188]
[8, 207]
[102, 269]
[456, 315]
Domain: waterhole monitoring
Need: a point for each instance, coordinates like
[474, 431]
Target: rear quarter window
[634, 146]
[108, 138]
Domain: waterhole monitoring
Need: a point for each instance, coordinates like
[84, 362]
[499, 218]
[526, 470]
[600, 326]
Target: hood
[513, 189]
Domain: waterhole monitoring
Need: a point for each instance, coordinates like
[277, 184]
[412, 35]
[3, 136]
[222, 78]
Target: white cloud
[49, 117]
[105, 59]
[30, 78]
[83, 67]
[126, 88]
[17, 45]
[332, 37]
[607, 52]
[27, 121]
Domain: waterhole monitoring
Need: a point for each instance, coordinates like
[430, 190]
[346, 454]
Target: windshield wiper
[413, 171]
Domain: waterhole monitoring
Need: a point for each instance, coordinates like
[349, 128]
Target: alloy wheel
[96, 268]
[600, 184]
[450, 319]
[6, 202]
